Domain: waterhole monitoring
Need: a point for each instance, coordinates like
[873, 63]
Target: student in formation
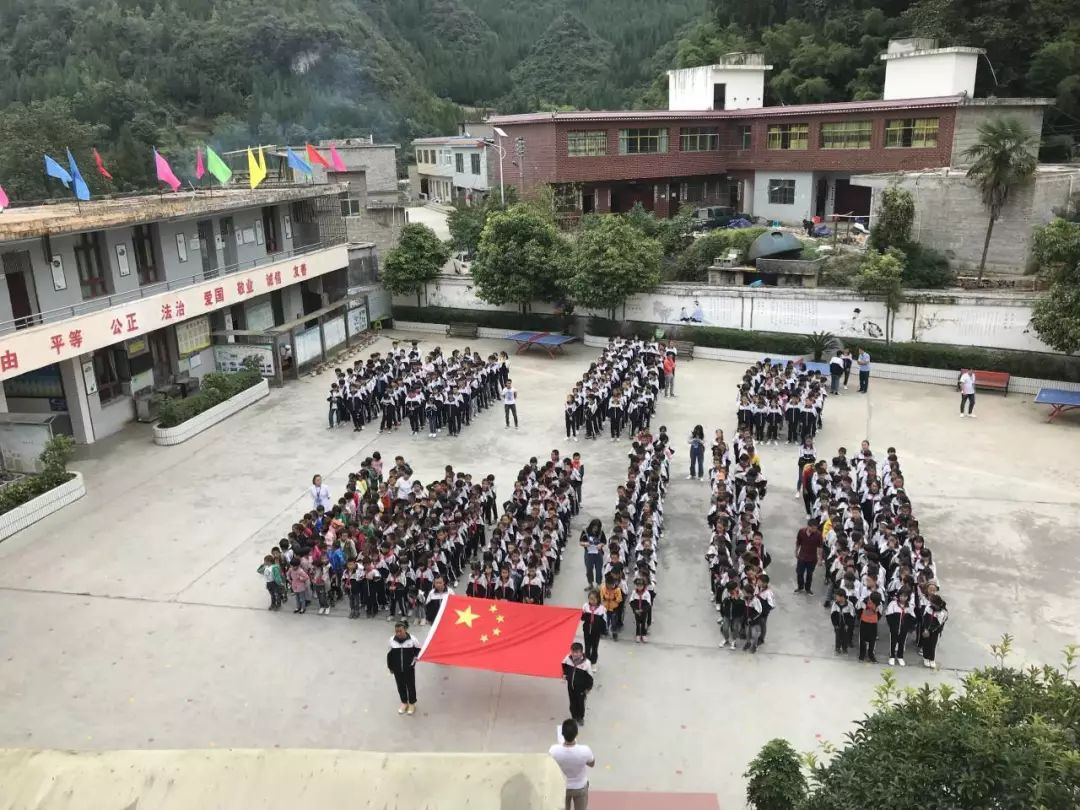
[842, 616]
[641, 607]
[438, 594]
[577, 672]
[593, 625]
[401, 661]
[275, 581]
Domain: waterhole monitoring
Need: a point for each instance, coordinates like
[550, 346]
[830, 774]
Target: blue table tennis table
[550, 343]
[1059, 400]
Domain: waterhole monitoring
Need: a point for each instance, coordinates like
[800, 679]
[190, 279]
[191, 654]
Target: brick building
[718, 144]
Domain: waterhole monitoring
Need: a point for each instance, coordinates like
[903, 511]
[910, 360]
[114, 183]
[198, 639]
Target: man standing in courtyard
[574, 760]
[967, 392]
[863, 362]
[509, 398]
[807, 555]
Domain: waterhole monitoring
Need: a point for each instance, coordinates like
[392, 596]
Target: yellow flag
[256, 168]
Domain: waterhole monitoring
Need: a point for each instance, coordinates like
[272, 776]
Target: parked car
[715, 216]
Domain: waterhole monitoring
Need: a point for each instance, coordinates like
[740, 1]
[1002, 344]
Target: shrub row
[54, 458]
[214, 388]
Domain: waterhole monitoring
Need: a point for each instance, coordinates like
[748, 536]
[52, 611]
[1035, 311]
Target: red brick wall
[546, 160]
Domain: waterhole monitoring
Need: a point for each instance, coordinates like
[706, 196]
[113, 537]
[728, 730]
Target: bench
[684, 347]
[992, 380]
[465, 330]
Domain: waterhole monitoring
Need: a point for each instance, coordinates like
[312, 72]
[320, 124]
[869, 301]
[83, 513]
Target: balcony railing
[107, 301]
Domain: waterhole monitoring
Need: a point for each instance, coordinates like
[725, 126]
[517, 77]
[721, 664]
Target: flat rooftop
[69, 216]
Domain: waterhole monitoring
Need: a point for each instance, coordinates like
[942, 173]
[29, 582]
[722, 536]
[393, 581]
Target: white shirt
[573, 761]
[967, 383]
[509, 396]
[320, 496]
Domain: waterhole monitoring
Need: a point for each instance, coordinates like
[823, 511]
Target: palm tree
[1003, 157]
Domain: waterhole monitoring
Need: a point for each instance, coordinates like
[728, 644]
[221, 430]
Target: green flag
[216, 166]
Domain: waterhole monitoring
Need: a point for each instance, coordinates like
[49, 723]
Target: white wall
[692, 88]
[467, 179]
[788, 214]
[960, 318]
[928, 75]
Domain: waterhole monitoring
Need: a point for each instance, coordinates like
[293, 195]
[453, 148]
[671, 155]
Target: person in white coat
[320, 494]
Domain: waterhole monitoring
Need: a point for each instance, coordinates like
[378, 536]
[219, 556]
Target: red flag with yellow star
[501, 636]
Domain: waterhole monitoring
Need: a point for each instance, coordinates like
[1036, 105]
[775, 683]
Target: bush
[840, 270]
[214, 388]
[694, 262]
[54, 458]
[776, 780]
[926, 269]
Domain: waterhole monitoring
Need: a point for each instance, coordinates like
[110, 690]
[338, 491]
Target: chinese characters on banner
[30, 349]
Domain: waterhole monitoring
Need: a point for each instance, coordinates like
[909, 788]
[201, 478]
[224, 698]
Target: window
[459, 163]
[781, 192]
[350, 207]
[586, 143]
[698, 139]
[694, 191]
[419, 156]
[474, 161]
[430, 155]
[789, 136]
[746, 136]
[88, 261]
[916, 133]
[846, 135]
[142, 237]
[643, 141]
[111, 372]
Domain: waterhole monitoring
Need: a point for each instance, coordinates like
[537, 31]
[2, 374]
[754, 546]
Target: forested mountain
[126, 75]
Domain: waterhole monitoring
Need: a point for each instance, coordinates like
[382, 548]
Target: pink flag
[4, 201]
[335, 159]
[165, 172]
[200, 169]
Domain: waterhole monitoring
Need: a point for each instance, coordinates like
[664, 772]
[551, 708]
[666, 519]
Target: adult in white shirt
[967, 392]
[574, 761]
[320, 494]
[509, 398]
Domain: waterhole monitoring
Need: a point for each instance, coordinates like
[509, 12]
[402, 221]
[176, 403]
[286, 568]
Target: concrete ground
[135, 619]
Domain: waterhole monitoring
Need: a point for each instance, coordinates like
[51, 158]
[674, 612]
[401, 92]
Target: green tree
[1005, 156]
[612, 260]
[418, 259]
[521, 258]
[466, 223]
[882, 274]
[1056, 316]
[775, 778]
[895, 217]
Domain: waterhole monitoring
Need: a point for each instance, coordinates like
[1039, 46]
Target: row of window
[474, 161]
[900, 133]
[432, 156]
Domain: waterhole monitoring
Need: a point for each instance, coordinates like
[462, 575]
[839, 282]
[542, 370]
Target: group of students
[433, 392]
[620, 388]
[775, 398]
[736, 557]
[877, 564]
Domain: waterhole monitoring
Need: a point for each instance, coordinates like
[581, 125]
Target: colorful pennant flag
[217, 167]
[165, 172]
[501, 636]
[296, 163]
[54, 169]
[82, 191]
[200, 169]
[256, 168]
[101, 166]
[335, 158]
[4, 201]
[315, 158]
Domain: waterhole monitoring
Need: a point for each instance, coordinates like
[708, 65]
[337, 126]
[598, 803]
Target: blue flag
[82, 191]
[54, 169]
[296, 163]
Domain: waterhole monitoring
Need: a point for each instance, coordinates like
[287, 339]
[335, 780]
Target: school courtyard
[135, 618]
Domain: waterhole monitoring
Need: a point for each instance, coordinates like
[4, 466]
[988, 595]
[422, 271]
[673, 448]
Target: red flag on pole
[101, 166]
[315, 157]
[501, 636]
[200, 167]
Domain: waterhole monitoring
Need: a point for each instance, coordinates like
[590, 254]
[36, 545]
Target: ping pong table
[1059, 401]
[552, 344]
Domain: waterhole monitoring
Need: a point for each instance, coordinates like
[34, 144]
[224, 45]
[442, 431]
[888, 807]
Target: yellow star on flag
[496, 632]
[466, 616]
[499, 619]
[493, 609]
[484, 639]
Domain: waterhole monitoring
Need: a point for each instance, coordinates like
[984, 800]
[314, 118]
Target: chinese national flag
[501, 636]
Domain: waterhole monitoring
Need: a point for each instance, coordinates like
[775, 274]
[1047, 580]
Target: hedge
[490, 318]
[928, 355]
[54, 459]
[214, 388]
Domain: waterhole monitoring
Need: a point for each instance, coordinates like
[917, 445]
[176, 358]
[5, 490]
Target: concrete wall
[788, 214]
[970, 116]
[950, 217]
[467, 179]
[964, 319]
[692, 88]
